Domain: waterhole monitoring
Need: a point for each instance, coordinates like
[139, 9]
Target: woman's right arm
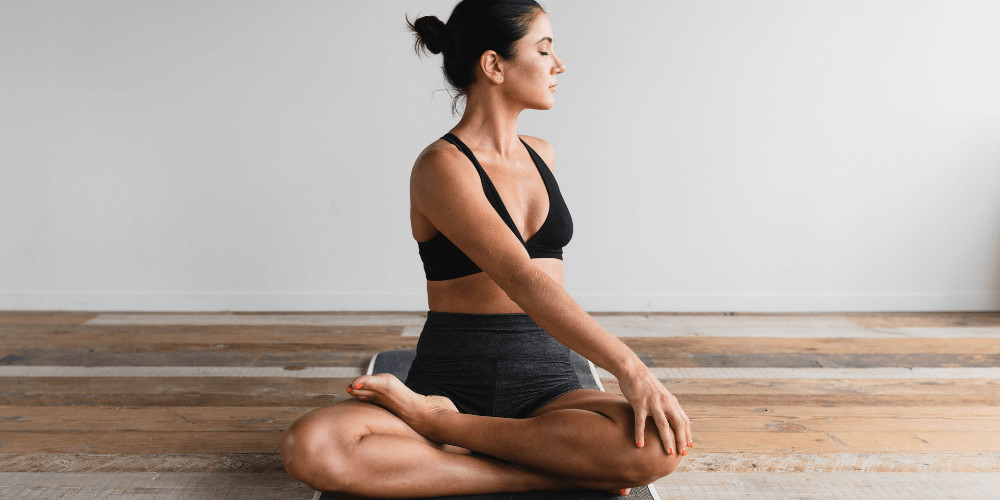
[449, 194]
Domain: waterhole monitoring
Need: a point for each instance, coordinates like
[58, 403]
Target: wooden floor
[105, 405]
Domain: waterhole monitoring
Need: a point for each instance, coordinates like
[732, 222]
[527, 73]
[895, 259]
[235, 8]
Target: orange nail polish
[348, 388]
[639, 444]
[623, 492]
[670, 451]
[690, 444]
[358, 385]
[684, 453]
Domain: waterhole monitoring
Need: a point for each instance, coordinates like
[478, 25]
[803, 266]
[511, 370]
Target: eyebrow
[544, 38]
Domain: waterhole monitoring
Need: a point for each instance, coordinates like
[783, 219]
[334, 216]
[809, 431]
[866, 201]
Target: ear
[492, 65]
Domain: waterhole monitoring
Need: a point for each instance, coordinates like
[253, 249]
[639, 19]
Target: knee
[312, 453]
[646, 465]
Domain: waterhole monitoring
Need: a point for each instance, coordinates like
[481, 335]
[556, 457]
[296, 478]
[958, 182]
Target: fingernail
[623, 492]
[684, 453]
[639, 444]
[670, 451]
[690, 444]
[348, 388]
[358, 385]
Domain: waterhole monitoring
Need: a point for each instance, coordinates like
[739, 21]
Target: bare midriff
[479, 294]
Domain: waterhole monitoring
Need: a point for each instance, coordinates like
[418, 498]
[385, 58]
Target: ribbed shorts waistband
[495, 336]
[494, 323]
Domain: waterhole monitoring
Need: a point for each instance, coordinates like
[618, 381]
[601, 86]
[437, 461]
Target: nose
[560, 67]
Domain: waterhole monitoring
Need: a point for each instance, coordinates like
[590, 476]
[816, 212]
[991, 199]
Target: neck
[490, 123]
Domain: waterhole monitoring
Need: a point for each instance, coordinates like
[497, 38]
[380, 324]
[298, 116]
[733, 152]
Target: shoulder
[543, 148]
[441, 169]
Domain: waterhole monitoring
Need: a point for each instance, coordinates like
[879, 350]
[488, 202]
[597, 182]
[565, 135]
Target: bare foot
[387, 391]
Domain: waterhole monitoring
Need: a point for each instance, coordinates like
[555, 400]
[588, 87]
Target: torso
[523, 192]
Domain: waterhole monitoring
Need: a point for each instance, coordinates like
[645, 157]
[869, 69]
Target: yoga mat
[397, 362]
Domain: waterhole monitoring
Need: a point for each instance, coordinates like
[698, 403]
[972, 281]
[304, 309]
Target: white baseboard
[368, 301]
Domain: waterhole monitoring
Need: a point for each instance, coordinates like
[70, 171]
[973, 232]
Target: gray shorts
[499, 365]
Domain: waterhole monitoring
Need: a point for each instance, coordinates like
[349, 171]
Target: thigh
[348, 421]
[611, 406]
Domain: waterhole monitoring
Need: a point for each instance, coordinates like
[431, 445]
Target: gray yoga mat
[397, 362]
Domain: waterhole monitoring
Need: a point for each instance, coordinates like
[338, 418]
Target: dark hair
[474, 27]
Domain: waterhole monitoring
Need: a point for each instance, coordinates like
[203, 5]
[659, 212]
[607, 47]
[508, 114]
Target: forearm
[548, 303]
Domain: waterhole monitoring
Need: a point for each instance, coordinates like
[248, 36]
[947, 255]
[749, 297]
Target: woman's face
[531, 77]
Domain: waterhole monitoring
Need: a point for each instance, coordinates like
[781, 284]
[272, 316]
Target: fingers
[666, 434]
[687, 427]
[681, 427]
[680, 432]
[640, 427]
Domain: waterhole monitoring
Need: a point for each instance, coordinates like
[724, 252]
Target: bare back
[524, 194]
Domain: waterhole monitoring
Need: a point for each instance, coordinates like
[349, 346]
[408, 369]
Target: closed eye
[544, 53]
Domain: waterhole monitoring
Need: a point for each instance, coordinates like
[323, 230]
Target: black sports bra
[443, 260]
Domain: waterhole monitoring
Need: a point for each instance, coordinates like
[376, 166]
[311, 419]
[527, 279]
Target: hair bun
[429, 29]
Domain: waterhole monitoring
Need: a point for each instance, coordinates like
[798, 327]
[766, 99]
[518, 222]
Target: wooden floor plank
[833, 485]
[924, 319]
[308, 392]
[378, 338]
[987, 388]
[699, 461]
[227, 442]
[208, 337]
[768, 345]
[696, 462]
[941, 461]
[279, 357]
[128, 442]
[143, 486]
[242, 418]
[255, 463]
[173, 391]
[9, 318]
[256, 357]
[304, 319]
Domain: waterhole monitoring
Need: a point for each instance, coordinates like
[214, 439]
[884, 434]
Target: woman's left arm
[547, 302]
[568, 323]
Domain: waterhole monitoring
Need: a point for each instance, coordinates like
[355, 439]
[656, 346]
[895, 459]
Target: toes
[368, 384]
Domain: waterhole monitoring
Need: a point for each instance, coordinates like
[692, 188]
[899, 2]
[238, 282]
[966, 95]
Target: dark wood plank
[250, 357]
[203, 337]
[173, 391]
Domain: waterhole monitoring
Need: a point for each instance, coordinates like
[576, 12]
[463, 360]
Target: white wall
[777, 155]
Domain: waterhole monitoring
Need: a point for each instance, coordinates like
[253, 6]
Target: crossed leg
[397, 447]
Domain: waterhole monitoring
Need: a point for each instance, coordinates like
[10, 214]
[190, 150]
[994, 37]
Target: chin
[547, 104]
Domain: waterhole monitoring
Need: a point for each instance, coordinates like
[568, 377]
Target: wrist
[630, 368]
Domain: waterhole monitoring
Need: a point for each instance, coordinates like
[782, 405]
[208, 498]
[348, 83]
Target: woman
[492, 385]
